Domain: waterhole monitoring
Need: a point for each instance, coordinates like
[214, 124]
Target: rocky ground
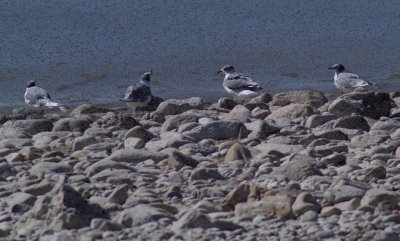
[292, 167]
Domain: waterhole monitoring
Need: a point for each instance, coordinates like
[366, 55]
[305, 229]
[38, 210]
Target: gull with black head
[139, 95]
[38, 97]
[240, 86]
[346, 81]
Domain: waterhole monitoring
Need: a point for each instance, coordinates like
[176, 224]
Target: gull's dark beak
[219, 71]
[332, 67]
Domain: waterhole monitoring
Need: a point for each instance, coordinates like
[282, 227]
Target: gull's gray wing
[350, 80]
[137, 93]
[240, 81]
[35, 94]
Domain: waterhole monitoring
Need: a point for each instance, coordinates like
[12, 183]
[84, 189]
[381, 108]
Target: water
[89, 51]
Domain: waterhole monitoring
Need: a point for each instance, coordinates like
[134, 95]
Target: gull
[240, 86]
[139, 95]
[345, 81]
[38, 97]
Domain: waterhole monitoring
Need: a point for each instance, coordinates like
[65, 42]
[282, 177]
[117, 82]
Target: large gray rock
[42, 168]
[174, 106]
[87, 109]
[82, 141]
[30, 127]
[341, 192]
[370, 104]
[238, 113]
[141, 214]
[65, 208]
[119, 120]
[136, 155]
[217, 130]
[178, 160]
[72, 124]
[284, 115]
[192, 219]
[375, 196]
[349, 122]
[298, 168]
[314, 98]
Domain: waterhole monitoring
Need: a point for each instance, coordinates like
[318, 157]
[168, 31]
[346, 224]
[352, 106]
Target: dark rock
[112, 119]
[370, 104]
[178, 160]
[217, 130]
[226, 103]
[71, 124]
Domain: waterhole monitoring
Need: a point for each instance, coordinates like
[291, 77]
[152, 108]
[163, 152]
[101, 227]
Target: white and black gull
[39, 97]
[240, 86]
[346, 81]
[139, 95]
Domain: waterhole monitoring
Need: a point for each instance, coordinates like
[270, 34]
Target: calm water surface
[89, 51]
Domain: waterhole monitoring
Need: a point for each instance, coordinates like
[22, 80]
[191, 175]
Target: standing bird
[346, 81]
[139, 95]
[37, 97]
[241, 87]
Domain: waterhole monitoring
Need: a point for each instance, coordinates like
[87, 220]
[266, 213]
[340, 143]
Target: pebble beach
[292, 166]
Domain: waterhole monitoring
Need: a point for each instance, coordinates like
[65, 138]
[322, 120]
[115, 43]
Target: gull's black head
[146, 76]
[337, 67]
[227, 69]
[30, 84]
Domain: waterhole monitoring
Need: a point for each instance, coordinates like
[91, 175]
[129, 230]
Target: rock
[191, 116]
[134, 143]
[373, 172]
[217, 130]
[262, 98]
[356, 122]
[178, 160]
[111, 119]
[32, 127]
[142, 214]
[238, 113]
[192, 219]
[139, 132]
[370, 104]
[87, 109]
[71, 124]
[238, 152]
[106, 164]
[20, 202]
[344, 190]
[82, 141]
[205, 174]
[174, 106]
[16, 143]
[5, 229]
[237, 195]
[299, 168]
[305, 202]
[273, 205]
[375, 196]
[329, 211]
[335, 159]
[284, 115]
[317, 120]
[95, 131]
[226, 103]
[386, 236]
[42, 168]
[281, 148]
[105, 225]
[65, 208]
[260, 129]
[39, 188]
[136, 155]
[119, 195]
[313, 98]
[309, 216]
[153, 104]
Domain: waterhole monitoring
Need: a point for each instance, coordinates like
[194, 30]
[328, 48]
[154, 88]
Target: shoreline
[293, 166]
